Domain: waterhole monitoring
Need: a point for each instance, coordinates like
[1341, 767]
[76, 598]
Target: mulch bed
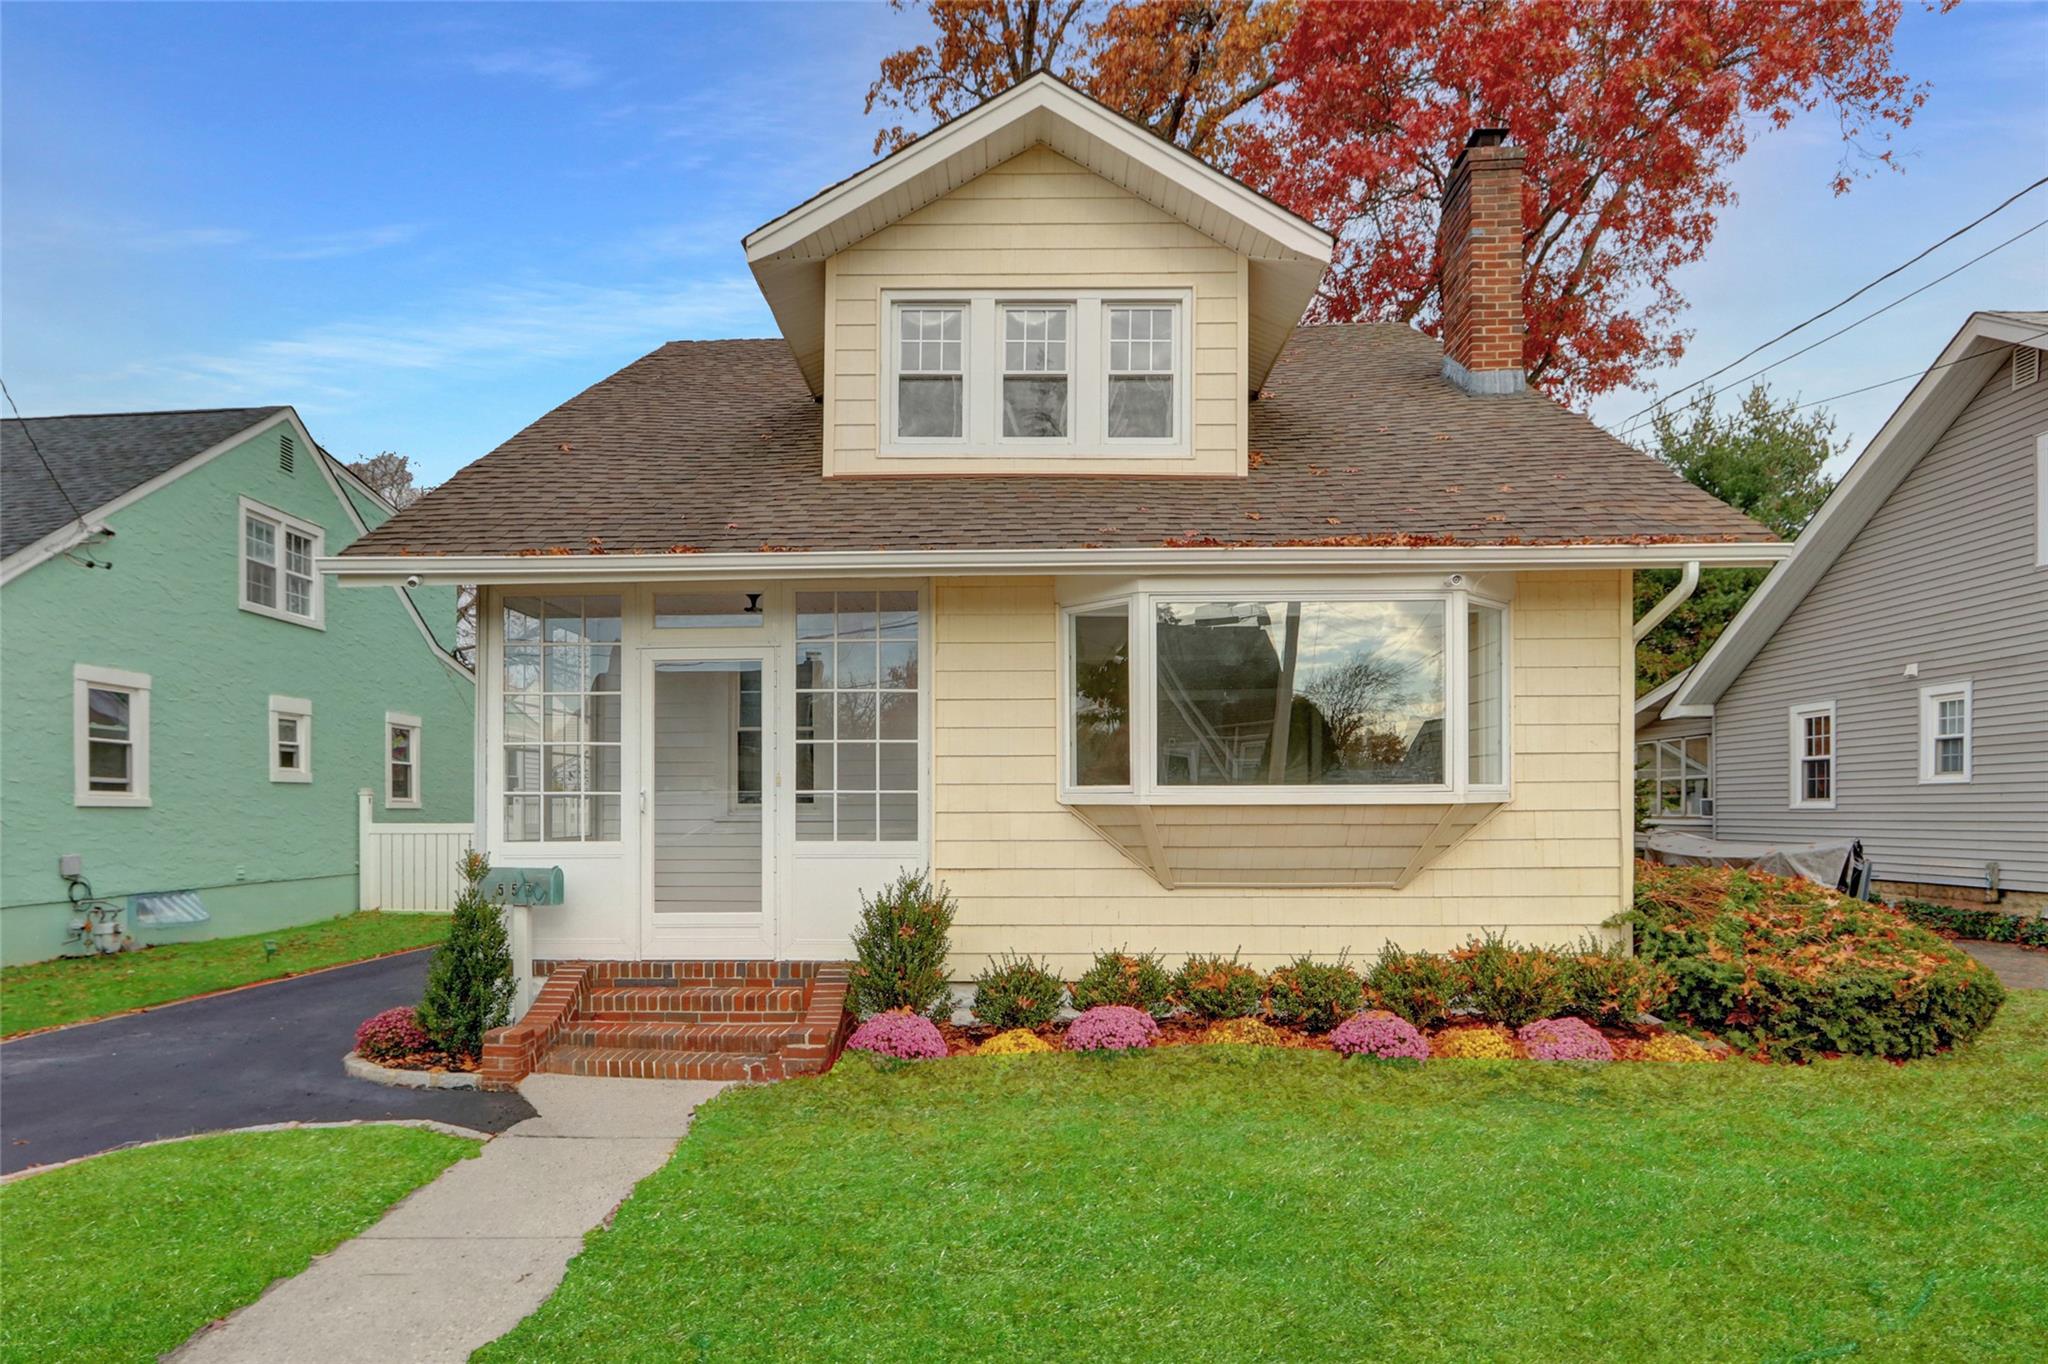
[427, 1060]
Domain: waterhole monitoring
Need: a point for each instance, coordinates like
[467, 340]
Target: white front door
[707, 803]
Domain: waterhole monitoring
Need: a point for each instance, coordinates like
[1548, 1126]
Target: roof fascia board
[1039, 93]
[1920, 420]
[59, 541]
[494, 569]
[1650, 700]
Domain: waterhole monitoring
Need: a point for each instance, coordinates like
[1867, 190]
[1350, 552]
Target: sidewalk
[460, 1262]
[2017, 967]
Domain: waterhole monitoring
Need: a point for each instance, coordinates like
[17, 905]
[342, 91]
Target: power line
[1632, 426]
[55, 481]
[1843, 302]
[1916, 374]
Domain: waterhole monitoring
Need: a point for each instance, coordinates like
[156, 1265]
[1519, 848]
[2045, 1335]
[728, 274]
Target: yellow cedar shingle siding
[1038, 221]
[1031, 877]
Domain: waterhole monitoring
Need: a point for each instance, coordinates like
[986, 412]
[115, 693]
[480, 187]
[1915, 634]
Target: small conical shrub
[900, 950]
[469, 986]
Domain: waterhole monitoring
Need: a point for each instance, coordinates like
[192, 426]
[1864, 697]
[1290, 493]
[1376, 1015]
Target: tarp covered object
[1824, 863]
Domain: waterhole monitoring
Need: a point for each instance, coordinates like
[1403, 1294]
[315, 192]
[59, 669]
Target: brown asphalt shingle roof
[716, 446]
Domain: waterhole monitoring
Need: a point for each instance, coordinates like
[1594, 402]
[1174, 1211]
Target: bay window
[1329, 695]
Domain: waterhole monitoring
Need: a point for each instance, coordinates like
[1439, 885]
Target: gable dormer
[1038, 286]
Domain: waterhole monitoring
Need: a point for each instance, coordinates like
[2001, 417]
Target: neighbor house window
[857, 735]
[277, 555]
[1676, 775]
[401, 761]
[291, 739]
[1336, 696]
[1813, 756]
[1035, 386]
[110, 736]
[561, 717]
[1945, 732]
[931, 385]
[1142, 362]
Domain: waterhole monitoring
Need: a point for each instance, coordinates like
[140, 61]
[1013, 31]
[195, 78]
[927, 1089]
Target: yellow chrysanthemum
[1015, 1042]
[1674, 1046]
[1241, 1032]
[1473, 1044]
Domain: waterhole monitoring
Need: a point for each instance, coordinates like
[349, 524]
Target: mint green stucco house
[186, 705]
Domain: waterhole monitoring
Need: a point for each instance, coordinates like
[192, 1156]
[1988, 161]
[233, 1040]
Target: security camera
[1455, 580]
[412, 580]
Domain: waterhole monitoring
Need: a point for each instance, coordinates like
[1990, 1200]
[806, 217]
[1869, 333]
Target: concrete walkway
[460, 1262]
[2019, 968]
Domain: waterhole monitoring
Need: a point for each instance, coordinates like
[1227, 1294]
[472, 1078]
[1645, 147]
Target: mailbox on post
[525, 886]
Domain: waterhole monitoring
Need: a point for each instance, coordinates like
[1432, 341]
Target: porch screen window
[1300, 693]
[931, 397]
[1099, 695]
[562, 719]
[1674, 776]
[1141, 369]
[857, 760]
[277, 566]
[1035, 373]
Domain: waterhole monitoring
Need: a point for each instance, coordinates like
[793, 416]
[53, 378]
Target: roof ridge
[158, 412]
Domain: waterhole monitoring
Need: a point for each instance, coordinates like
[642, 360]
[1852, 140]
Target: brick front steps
[675, 1020]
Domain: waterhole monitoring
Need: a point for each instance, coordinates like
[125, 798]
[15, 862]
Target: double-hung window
[401, 761]
[291, 739]
[1325, 696]
[110, 736]
[1813, 740]
[1945, 732]
[277, 554]
[1015, 375]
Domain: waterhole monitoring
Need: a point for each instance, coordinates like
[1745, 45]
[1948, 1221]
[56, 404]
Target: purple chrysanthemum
[1111, 1027]
[1378, 1033]
[1564, 1039]
[395, 1032]
[906, 1036]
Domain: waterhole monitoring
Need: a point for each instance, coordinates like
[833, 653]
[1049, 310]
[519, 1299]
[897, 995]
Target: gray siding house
[1889, 681]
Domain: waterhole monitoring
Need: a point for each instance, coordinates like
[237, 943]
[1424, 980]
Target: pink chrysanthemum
[906, 1036]
[1564, 1039]
[1381, 1034]
[1112, 1027]
[395, 1032]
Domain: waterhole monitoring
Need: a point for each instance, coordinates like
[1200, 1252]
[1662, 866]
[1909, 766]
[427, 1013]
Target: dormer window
[1103, 373]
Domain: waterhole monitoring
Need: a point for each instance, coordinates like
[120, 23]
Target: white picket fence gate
[406, 866]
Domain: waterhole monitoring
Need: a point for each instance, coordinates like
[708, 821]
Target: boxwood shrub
[1789, 969]
[1313, 996]
[1611, 987]
[1421, 987]
[1220, 987]
[1017, 992]
[1510, 984]
[1136, 981]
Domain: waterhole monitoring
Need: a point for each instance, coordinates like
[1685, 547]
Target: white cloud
[330, 245]
[563, 68]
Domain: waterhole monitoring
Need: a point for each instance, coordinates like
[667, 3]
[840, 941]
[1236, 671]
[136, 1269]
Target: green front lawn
[79, 988]
[1231, 1203]
[124, 1256]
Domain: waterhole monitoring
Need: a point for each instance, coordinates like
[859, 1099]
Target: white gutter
[495, 569]
[1671, 601]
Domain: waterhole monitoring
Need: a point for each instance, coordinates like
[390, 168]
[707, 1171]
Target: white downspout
[1669, 602]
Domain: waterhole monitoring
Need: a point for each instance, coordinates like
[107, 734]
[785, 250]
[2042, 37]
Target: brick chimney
[1480, 239]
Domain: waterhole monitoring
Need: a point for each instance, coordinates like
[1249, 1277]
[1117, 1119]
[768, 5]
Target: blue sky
[426, 225]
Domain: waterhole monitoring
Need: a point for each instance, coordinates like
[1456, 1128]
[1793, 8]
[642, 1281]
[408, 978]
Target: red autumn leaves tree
[1633, 113]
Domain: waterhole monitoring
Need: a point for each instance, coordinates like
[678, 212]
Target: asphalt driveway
[270, 1053]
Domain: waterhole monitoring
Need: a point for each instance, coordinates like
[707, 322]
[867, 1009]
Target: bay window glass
[1300, 693]
[562, 716]
[931, 399]
[857, 763]
[1035, 373]
[1140, 373]
[1485, 696]
[1099, 695]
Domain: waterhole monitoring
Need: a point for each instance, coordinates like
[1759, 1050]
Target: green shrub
[1314, 996]
[1017, 992]
[469, 985]
[900, 948]
[1991, 925]
[1135, 981]
[1219, 987]
[1791, 970]
[1421, 987]
[1611, 987]
[1509, 984]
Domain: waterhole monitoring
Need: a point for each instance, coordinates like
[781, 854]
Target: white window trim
[301, 710]
[85, 677]
[1931, 696]
[399, 720]
[1087, 369]
[283, 521]
[1145, 788]
[2041, 500]
[1796, 752]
